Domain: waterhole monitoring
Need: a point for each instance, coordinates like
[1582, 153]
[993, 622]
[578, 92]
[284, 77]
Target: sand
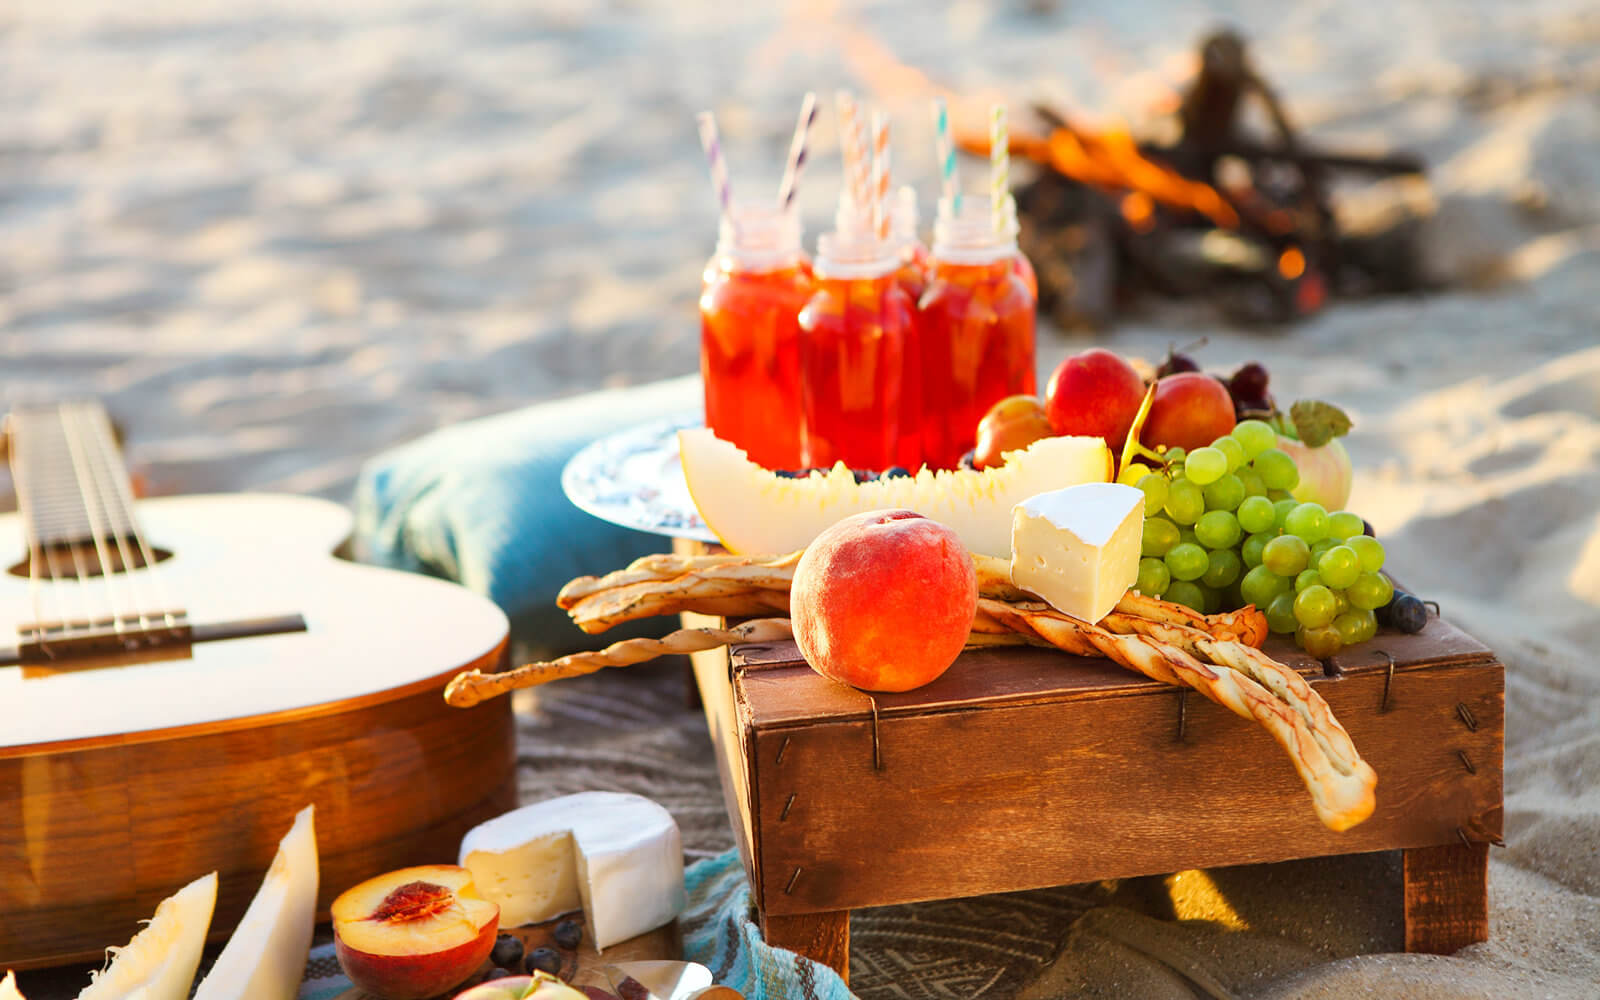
[277, 238]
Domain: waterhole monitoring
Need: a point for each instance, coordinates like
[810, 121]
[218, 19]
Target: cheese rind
[1078, 548]
[617, 857]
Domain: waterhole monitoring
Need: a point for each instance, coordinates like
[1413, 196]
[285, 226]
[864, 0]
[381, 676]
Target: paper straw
[719, 167]
[880, 174]
[999, 167]
[853, 147]
[947, 156]
[797, 151]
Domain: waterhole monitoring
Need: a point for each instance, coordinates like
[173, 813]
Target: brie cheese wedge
[1078, 548]
[617, 857]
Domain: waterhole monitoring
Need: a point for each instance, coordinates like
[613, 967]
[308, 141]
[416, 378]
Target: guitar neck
[72, 486]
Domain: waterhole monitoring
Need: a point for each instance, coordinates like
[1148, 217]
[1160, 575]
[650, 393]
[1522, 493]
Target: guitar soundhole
[81, 560]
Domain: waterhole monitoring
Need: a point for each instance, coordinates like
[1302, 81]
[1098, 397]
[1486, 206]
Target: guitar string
[101, 476]
[81, 573]
[96, 527]
[112, 465]
[38, 554]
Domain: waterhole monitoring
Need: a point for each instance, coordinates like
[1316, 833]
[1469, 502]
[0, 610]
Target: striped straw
[947, 155]
[853, 146]
[719, 167]
[880, 174]
[999, 167]
[797, 151]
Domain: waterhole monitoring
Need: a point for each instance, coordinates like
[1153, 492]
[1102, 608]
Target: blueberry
[507, 951]
[496, 973]
[786, 473]
[968, 461]
[568, 934]
[544, 960]
[893, 471]
[864, 475]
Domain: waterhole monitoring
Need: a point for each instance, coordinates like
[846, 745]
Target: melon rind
[752, 510]
[265, 959]
[161, 960]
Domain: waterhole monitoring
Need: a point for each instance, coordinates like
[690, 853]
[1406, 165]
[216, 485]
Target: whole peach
[1094, 393]
[884, 600]
[1189, 410]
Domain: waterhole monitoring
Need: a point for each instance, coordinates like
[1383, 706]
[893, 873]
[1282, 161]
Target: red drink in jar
[853, 336]
[976, 326]
[754, 287]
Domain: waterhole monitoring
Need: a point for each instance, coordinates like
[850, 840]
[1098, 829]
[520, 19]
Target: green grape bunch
[1222, 530]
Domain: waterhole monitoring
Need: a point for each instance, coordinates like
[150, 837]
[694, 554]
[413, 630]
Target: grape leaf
[1317, 422]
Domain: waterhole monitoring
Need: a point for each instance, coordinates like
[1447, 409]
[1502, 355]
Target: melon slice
[8, 987]
[161, 959]
[266, 957]
[752, 510]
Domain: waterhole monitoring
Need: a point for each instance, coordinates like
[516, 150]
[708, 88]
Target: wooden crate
[1022, 768]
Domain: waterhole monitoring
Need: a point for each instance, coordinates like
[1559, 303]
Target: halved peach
[413, 933]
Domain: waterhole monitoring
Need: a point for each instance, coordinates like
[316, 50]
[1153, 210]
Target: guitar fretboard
[71, 484]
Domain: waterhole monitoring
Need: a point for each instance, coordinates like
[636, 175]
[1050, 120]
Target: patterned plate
[633, 478]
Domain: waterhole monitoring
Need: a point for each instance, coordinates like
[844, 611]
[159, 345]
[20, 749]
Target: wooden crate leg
[822, 937]
[1447, 897]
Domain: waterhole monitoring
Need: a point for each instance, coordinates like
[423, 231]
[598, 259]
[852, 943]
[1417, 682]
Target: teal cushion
[481, 503]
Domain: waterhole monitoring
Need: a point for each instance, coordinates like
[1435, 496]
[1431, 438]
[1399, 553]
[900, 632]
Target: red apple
[1095, 394]
[884, 600]
[414, 932]
[1325, 473]
[1010, 425]
[1189, 410]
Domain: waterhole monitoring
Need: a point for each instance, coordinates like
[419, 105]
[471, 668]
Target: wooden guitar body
[124, 776]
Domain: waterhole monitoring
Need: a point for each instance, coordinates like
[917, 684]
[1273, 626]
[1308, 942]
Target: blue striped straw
[719, 167]
[947, 155]
[797, 151]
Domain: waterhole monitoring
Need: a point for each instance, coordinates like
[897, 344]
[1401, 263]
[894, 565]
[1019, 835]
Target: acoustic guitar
[179, 676]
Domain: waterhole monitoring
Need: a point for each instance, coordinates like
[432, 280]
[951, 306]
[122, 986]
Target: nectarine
[1189, 410]
[1010, 425]
[1096, 394]
[884, 600]
[413, 933]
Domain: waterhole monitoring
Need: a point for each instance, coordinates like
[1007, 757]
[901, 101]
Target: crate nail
[782, 749]
[786, 806]
[1466, 762]
[1467, 718]
[790, 887]
[1388, 681]
[1183, 712]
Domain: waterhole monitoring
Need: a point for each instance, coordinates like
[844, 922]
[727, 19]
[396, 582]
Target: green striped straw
[999, 167]
[947, 156]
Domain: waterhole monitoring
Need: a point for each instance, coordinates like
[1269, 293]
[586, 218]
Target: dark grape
[1176, 363]
[568, 933]
[543, 960]
[1366, 529]
[507, 951]
[1249, 383]
[631, 989]
[1408, 613]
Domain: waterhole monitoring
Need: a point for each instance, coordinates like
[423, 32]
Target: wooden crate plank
[729, 736]
[1022, 796]
[780, 693]
[1438, 643]
[1446, 897]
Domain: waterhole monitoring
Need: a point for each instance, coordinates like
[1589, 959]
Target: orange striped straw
[880, 174]
[853, 147]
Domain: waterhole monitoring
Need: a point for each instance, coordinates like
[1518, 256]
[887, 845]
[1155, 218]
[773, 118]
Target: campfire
[1215, 214]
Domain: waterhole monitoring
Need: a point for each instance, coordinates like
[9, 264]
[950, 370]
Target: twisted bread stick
[1340, 782]
[472, 686]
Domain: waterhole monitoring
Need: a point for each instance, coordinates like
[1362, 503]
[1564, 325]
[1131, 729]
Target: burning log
[1109, 217]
